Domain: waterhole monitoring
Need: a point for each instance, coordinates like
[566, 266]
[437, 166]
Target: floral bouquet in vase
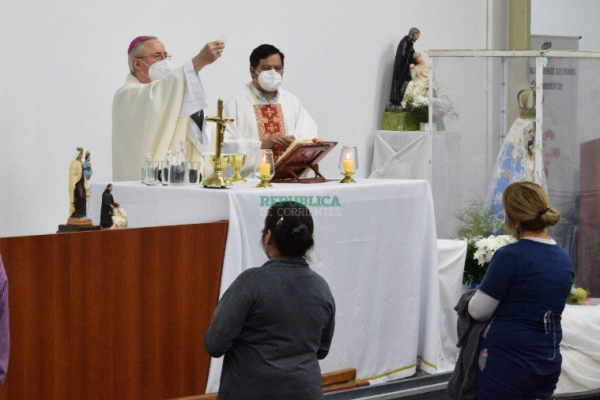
[484, 234]
[443, 108]
[480, 251]
[419, 107]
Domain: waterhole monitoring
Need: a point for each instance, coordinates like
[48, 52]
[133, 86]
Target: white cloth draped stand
[451, 264]
[419, 155]
[580, 349]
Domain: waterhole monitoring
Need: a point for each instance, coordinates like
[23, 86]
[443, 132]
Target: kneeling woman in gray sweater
[275, 322]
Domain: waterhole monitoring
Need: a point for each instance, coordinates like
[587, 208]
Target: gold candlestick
[217, 179]
[348, 178]
[265, 182]
[348, 164]
[265, 168]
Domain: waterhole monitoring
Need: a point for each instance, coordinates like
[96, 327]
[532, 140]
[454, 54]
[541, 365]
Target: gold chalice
[237, 161]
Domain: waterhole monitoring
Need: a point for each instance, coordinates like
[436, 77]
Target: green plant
[476, 222]
[473, 272]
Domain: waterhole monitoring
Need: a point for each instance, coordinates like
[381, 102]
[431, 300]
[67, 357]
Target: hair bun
[297, 231]
[550, 217]
[291, 227]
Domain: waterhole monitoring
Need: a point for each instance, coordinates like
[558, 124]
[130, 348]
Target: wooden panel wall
[112, 314]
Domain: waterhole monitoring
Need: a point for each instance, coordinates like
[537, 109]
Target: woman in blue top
[524, 293]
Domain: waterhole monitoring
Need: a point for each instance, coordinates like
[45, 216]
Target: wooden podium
[118, 314]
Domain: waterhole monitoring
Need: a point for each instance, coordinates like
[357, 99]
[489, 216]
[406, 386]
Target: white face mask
[270, 80]
[158, 70]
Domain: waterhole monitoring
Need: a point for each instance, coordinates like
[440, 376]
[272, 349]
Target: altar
[375, 244]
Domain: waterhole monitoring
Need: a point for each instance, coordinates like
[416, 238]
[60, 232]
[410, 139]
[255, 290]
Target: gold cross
[221, 122]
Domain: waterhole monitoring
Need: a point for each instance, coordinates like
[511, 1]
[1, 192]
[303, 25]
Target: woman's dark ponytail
[291, 227]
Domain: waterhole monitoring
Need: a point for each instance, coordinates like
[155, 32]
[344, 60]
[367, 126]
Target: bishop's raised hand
[208, 55]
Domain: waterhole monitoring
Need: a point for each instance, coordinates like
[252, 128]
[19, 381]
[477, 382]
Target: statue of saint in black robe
[106, 210]
[401, 77]
[80, 198]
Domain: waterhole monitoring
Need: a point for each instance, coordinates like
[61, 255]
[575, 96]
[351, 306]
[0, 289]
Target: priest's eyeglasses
[158, 56]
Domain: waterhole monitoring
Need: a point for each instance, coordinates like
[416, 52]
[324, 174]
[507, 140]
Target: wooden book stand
[294, 165]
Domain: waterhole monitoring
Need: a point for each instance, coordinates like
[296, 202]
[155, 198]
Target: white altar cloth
[377, 251]
[451, 264]
[580, 349]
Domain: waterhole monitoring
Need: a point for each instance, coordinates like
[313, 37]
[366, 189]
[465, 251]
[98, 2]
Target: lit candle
[348, 165]
[265, 169]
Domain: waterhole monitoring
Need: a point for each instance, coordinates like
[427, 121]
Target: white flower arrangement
[419, 101]
[484, 233]
[486, 247]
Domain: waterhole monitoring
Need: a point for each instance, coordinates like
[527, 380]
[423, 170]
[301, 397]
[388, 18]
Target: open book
[298, 141]
[301, 157]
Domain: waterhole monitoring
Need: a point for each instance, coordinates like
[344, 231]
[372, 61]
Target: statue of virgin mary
[519, 156]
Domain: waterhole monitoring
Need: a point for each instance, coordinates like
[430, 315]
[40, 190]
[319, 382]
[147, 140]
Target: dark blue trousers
[500, 379]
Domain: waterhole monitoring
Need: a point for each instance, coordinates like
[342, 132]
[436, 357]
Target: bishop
[158, 105]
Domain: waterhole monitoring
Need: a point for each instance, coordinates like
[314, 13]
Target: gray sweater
[272, 325]
[462, 384]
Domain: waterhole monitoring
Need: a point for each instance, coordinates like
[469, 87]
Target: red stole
[269, 120]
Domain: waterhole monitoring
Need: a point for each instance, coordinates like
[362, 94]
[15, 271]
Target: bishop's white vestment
[147, 117]
[254, 120]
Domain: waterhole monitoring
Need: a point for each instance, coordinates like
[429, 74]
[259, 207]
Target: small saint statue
[401, 77]
[419, 83]
[87, 171]
[107, 208]
[77, 192]
[119, 217]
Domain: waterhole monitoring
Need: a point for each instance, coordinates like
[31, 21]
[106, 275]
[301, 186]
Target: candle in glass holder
[348, 166]
[265, 169]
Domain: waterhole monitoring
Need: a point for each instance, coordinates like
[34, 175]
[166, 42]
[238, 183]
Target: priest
[157, 105]
[265, 116]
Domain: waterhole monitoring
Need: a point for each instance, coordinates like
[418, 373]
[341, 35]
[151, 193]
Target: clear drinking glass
[149, 157]
[194, 172]
[178, 164]
[151, 172]
[163, 174]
